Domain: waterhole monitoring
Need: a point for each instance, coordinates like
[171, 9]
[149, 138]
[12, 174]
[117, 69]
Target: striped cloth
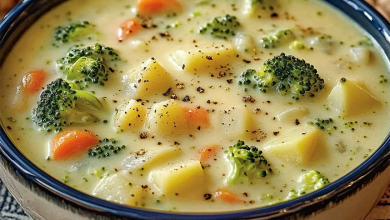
[9, 208]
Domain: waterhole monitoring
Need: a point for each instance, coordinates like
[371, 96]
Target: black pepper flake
[177, 143]
[114, 101]
[186, 99]
[200, 90]
[9, 127]
[209, 57]
[159, 143]
[297, 122]
[184, 66]
[230, 81]
[180, 85]
[174, 96]
[111, 69]
[246, 61]
[276, 133]
[144, 186]
[256, 110]
[207, 196]
[143, 135]
[248, 98]
[168, 92]
[274, 15]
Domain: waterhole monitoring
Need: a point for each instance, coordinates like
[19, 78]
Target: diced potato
[149, 79]
[292, 114]
[150, 157]
[130, 116]
[210, 59]
[360, 55]
[244, 44]
[249, 8]
[298, 146]
[166, 118]
[236, 123]
[348, 99]
[252, 8]
[140, 45]
[116, 188]
[181, 178]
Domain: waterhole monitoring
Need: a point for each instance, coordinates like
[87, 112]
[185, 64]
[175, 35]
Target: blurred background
[9, 209]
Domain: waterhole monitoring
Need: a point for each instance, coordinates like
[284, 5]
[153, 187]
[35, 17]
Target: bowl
[43, 197]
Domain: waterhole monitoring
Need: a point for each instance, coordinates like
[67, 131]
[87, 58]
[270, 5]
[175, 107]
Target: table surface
[10, 210]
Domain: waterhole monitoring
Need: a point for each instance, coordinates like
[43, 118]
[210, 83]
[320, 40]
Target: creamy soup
[196, 106]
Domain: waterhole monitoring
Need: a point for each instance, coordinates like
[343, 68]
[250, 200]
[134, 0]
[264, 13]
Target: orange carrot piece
[149, 7]
[67, 144]
[128, 28]
[196, 117]
[227, 196]
[33, 81]
[207, 152]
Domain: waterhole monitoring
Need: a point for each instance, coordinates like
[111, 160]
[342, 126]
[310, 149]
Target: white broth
[160, 167]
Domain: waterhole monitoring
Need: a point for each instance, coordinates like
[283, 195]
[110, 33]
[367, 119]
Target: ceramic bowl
[43, 197]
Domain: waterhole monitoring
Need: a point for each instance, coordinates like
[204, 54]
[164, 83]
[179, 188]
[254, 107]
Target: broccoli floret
[288, 74]
[89, 64]
[324, 124]
[246, 162]
[72, 31]
[311, 181]
[247, 77]
[277, 39]
[61, 105]
[106, 148]
[221, 27]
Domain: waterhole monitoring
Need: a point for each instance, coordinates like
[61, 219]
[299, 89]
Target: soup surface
[195, 106]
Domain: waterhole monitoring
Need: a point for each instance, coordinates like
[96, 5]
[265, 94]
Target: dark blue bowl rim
[382, 36]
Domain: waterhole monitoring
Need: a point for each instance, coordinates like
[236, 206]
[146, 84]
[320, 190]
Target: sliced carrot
[34, 81]
[67, 144]
[197, 117]
[207, 152]
[150, 7]
[128, 28]
[227, 196]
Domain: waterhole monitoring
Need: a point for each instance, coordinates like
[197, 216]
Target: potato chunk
[116, 188]
[298, 146]
[166, 118]
[182, 177]
[236, 123]
[150, 157]
[360, 55]
[348, 99]
[130, 116]
[214, 58]
[149, 79]
[292, 114]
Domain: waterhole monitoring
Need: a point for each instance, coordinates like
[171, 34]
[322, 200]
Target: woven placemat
[10, 210]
